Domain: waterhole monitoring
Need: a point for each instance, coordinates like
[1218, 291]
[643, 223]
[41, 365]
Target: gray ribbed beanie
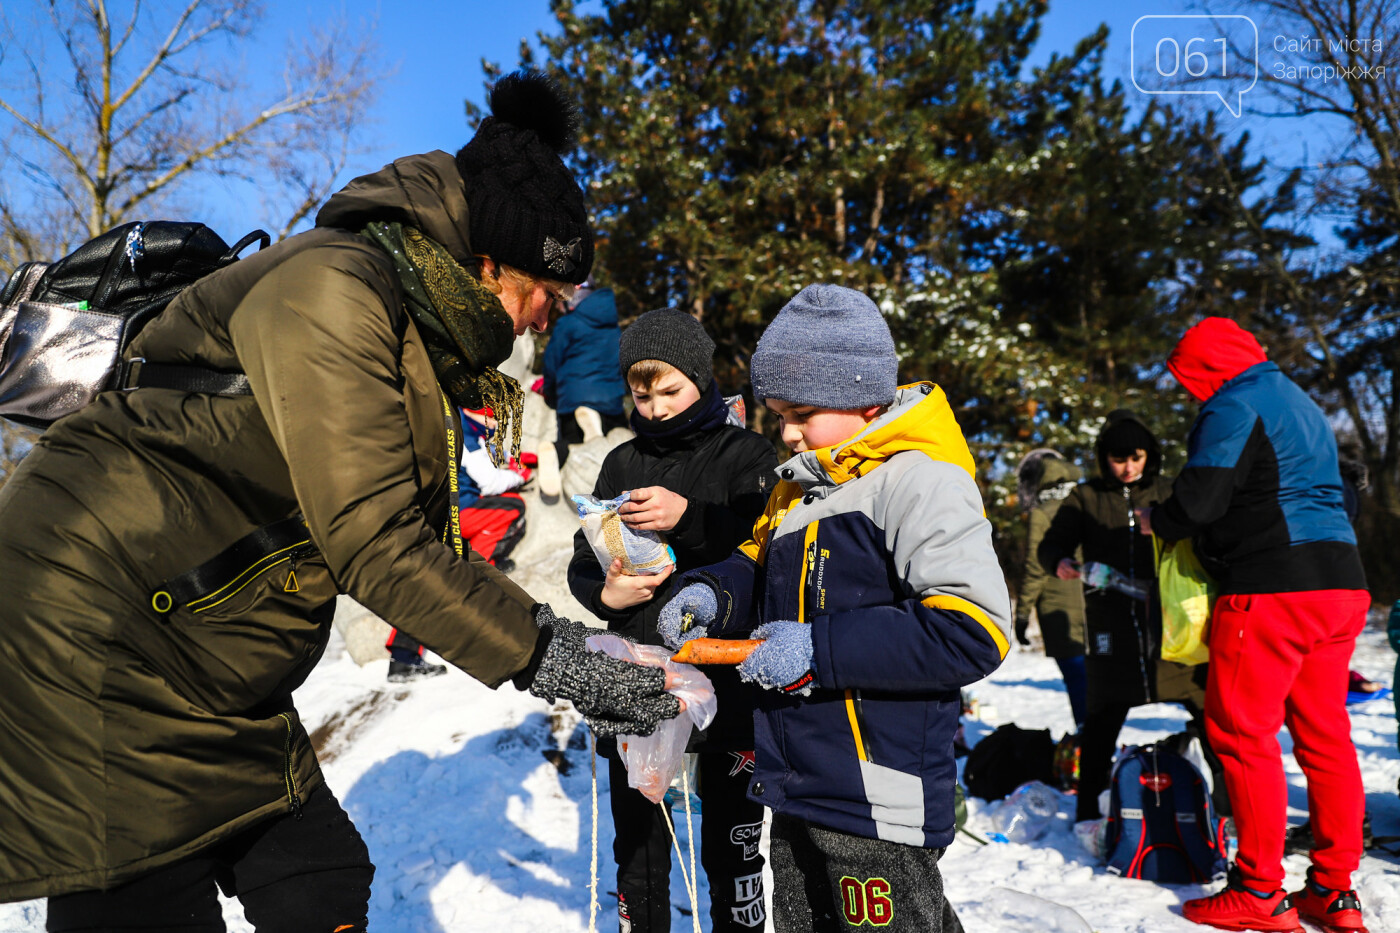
[829, 347]
[671, 336]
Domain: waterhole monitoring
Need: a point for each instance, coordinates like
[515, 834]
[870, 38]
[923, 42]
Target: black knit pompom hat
[525, 209]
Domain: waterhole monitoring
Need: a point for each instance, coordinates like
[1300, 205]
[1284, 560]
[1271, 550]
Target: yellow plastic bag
[1188, 595]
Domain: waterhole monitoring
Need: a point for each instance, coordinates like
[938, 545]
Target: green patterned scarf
[465, 327]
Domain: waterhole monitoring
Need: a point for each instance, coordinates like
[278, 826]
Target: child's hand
[653, 508]
[622, 591]
[784, 661]
[688, 615]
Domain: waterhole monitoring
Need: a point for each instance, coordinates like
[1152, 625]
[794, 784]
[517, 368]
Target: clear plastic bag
[1027, 812]
[684, 792]
[642, 552]
[653, 761]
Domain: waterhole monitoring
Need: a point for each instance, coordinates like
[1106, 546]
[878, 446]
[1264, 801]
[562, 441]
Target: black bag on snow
[64, 326]
[1161, 825]
[1008, 758]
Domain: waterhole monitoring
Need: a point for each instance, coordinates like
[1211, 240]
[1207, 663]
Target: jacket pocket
[1228, 623]
[224, 576]
[247, 626]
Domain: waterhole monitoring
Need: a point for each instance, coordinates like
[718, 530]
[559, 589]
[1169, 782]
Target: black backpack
[1008, 758]
[64, 326]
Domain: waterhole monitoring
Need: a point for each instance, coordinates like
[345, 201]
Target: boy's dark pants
[826, 881]
[1176, 683]
[729, 849]
[291, 876]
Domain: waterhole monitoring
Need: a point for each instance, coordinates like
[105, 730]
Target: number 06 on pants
[866, 901]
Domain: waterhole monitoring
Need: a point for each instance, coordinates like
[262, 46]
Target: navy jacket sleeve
[735, 581]
[738, 580]
[951, 629]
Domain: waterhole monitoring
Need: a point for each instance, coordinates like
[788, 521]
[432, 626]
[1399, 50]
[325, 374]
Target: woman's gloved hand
[688, 615]
[615, 697]
[1022, 627]
[784, 660]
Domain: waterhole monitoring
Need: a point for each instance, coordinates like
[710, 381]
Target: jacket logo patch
[801, 683]
[1103, 643]
[743, 761]
[747, 835]
[1157, 781]
[867, 901]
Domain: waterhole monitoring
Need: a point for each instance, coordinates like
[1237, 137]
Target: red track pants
[1276, 659]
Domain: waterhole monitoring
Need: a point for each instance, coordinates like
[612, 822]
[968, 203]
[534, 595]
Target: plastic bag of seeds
[642, 552]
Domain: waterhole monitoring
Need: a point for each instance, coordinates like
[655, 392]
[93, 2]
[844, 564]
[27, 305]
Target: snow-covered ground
[478, 809]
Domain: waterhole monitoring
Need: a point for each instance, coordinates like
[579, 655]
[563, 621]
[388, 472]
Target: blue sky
[436, 47]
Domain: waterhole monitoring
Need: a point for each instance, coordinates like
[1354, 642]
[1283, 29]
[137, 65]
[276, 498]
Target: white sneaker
[590, 422]
[548, 470]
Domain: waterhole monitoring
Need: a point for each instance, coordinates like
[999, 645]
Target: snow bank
[477, 804]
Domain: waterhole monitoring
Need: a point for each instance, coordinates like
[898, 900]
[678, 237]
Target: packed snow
[478, 806]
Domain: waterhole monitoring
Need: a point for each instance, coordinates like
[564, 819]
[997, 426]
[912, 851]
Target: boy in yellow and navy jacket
[872, 580]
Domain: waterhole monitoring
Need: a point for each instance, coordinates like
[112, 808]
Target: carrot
[716, 650]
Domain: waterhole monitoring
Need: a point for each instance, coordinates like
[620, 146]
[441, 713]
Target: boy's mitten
[615, 697]
[688, 615]
[784, 660]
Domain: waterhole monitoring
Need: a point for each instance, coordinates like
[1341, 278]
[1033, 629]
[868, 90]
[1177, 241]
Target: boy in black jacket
[702, 483]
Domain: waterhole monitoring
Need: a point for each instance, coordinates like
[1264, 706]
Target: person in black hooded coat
[1123, 634]
[685, 455]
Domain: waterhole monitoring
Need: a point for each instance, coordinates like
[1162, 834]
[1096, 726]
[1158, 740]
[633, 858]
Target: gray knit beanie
[829, 347]
[671, 336]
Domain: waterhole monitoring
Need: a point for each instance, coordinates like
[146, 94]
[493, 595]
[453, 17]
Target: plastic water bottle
[1027, 812]
[1098, 576]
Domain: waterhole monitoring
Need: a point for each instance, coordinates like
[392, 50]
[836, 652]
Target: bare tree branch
[152, 102]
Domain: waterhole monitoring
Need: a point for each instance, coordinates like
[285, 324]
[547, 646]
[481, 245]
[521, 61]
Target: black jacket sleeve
[709, 530]
[1065, 534]
[1224, 441]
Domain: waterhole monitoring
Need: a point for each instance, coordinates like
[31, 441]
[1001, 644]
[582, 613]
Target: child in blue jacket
[872, 580]
[580, 367]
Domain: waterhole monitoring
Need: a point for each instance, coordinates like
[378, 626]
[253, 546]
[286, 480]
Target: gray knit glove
[615, 697]
[688, 615]
[784, 661]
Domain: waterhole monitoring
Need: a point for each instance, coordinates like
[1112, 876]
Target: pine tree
[1035, 249]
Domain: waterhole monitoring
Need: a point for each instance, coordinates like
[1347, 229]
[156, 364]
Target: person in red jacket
[1261, 495]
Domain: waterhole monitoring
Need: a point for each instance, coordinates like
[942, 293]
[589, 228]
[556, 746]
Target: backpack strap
[139, 374]
[261, 237]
